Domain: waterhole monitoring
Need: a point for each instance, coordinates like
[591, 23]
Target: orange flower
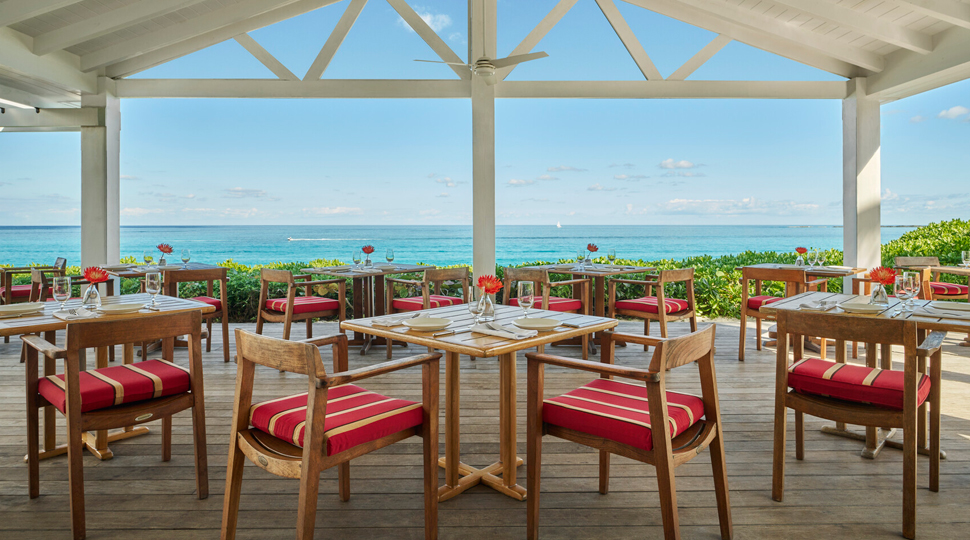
[883, 275]
[801, 250]
[164, 248]
[489, 284]
[367, 249]
[592, 248]
[95, 274]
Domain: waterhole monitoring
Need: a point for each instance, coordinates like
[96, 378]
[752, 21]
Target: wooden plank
[265, 58]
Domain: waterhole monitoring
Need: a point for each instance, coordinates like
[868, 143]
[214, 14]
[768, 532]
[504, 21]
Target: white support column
[481, 42]
[100, 163]
[861, 179]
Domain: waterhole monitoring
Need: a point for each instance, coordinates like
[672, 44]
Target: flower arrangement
[883, 275]
[164, 248]
[367, 249]
[95, 274]
[591, 248]
[801, 250]
[489, 284]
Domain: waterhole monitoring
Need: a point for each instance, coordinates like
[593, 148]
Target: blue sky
[575, 161]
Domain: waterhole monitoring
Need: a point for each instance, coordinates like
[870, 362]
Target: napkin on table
[81, 314]
[507, 332]
[395, 320]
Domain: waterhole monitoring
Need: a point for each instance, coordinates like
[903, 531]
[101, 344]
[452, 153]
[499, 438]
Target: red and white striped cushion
[619, 411]
[354, 416]
[649, 304]
[16, 291]
[304, 304]
[214, 302]
[950, 289]
[852, 382]
[117, 385]
[756, 302]
[416, 303]
[555, 303]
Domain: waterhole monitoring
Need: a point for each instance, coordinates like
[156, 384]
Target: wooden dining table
[500, 475]
[930, 320]
[137, 271]
[952, 270]
[47, 324]
[368, 292]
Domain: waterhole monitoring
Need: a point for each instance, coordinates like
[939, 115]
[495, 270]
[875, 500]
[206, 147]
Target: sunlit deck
[833, 493]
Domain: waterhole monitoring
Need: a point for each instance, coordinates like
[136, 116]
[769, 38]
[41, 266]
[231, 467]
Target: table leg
[368, 309]
[507, 417]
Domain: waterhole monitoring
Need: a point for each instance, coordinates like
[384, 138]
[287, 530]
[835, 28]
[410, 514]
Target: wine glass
[917, 283]
[581, 258]
[812, 257]
[61, 289]
[820, 259]
[611, 256]
[149, 256]
[389, 255]
[966, 257]
[526, 296]
[357, 258]
[153, 285]
[904, 290]
[186, 257]
[473, 306]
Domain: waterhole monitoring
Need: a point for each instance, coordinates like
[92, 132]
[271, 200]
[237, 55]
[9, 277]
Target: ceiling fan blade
[440, 62]
[517, 59]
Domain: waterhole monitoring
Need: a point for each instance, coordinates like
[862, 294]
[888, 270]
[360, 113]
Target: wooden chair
[795, 280]
[861, 395]
[933, 287]
[430, 287]
[293, 308]
[210, 276]
[11, 294]
[543, 286]
[615, 418]
[142, 392]
[295, 437]
[647, 307]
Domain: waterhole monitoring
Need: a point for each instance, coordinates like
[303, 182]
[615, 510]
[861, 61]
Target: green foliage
[945, 240]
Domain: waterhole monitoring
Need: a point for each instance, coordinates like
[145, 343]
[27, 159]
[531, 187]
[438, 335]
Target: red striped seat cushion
[852, 382]
[304, 304]
[939, 287]
[117, 385]
[215, 302]
[16, 291]
[755, 302]
[555, 303]
[354, 416]
[619, 411]
[649, 304]
[416, 303]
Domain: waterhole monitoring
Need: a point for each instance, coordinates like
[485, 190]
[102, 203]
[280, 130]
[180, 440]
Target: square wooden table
[48, 324]
[598, 273]
[139, 271]
[368, 295]
[952, 270]
[460, 476]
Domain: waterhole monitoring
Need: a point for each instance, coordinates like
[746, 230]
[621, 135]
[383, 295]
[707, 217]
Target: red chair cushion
[555, 303]
[354, 416]
[215, 302]
[16, 291]
[117, 385]
[619, 411]
[416, 303]
[852, 382]
[755, 302]
[938, 287]
[304, 304]
[649, 304]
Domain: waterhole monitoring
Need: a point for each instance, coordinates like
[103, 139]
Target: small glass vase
[879, 296]
[91, 298]
[486, 308]
[161, 261]
[799, 261]
[367, 262]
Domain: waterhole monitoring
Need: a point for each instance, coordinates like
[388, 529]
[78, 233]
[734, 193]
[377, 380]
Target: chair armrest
[346, 377]
[579, 281]
[817, 281]
[304, 277]
[404, 281]
[332, 339]
[635, 282]
[321, 282]
[595, 367]
[43, 346]
[634, 338]
[932, 343]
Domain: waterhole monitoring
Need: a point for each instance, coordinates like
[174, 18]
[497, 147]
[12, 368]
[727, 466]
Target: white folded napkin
[810, 307]
[507, 332]
[81, 314]
[396, 320]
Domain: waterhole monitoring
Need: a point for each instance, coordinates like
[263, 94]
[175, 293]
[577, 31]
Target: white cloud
[562, 168]
[672, 164]
[917, 119]
[437, 21]
[684, 174]
[135, 212]
[731, 207]
[455, 36]
[443, 194]
[130, 177]
[889, 195]
[446, 180]
[630, 177]
[547, 177]
[953, 112]
[515, 182]
[429, 212]
[242, 193]
[200, 210]
[624, 165]
[241, 212]
[330, 211]
[597, 187]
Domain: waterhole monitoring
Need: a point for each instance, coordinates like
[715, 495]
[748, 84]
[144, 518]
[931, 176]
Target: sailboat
[558, 226]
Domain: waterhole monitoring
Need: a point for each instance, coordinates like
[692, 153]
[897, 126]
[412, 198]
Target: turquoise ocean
[430, 244]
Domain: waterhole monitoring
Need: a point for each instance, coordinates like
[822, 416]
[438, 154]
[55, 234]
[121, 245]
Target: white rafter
[864, 24]
[430, 37]
[276, 89]
[699, 59]
[672, 89]
[346, 22]
[909, 73]
[59, 69]
[211, 37]
[14, 11]
[630, 41]
[265, 57]
[49, 118]
[535, 36]
[951, 11]
[105, 23]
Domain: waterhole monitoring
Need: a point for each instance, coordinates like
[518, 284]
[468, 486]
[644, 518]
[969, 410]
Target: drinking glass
[62, 289]
[821, 257]
[611, 255]
[153, 285]
[917, 283]
[904, 290]
[186, 257]
[812, 257]
[473, 306]
[389, 255]
[149, 256]
[526, 296]
[581, 258]
[357, 258]
[966, 257]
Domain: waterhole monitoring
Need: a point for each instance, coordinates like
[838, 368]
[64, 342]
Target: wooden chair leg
[799, 435]
[757, 333]
[234, 475]
[934, 399]
[167, 438]
[663, 329]
[200, 451]
[75, 468]
[33, 427]
[721, 491]
[307, 510]
[343, 481]
[666, 484]
[309, 328]
[390, 345]
[208, 338]
[259, 323]
[585, 340]
[646, 332]
[909, 477]
[286, 331]
[604, 472]
[743, 328]
[693, 322]
[778, 451]
[534, 393]
[225, 337]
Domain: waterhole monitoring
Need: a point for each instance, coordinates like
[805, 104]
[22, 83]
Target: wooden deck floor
[833, 493]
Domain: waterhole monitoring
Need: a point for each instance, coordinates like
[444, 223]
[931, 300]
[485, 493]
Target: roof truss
[14, 11]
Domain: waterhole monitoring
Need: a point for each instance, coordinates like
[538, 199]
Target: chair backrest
[675, 352]
[187, 276]
[60, 263]
[283, 355]
[39, 286]
[437, 276]
[104, 332]
[787, 275]
[275, 276]
[537, 276]
[916, 261]
[676, 275]
[866, 330]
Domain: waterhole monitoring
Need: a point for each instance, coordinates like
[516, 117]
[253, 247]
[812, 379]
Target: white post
[861, 179]
[483, 140]
[100, 163]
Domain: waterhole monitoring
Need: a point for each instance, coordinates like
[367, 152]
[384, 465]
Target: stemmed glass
[153, 285]
[966, 257]
[473, 306]
[904, 290]
[357, 258]
[611, 256]
[526, 297]
[820, 258]
[186, 257]
[149, 256]
[581, 258]
[389, 255]
[917, 283]
[61, 289]
[812, 257]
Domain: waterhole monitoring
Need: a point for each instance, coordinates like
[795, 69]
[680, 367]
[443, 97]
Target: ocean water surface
[430, 244]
